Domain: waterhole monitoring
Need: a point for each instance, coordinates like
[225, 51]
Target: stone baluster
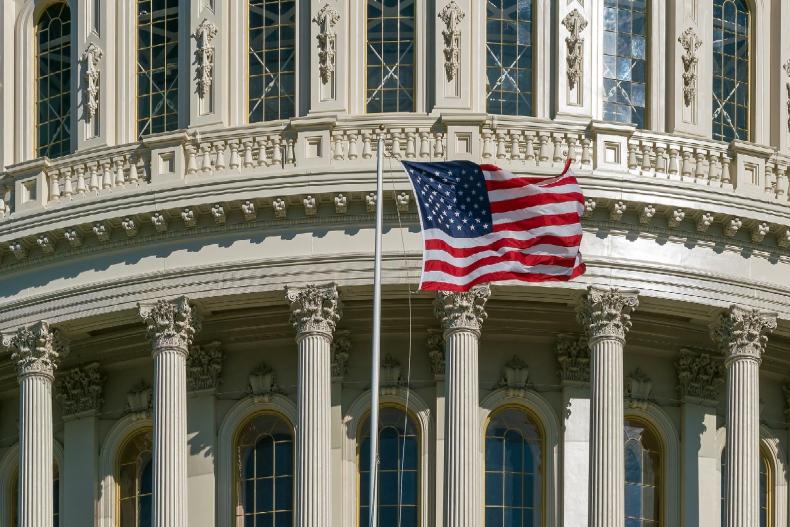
[411, 150]
[206, 163]
[315, 311]
[425, 145]
[633, 163]
[248, 160]
[726, 177]
[134, 176]
[171, 328]
[741, 335]
[573, 148]
[515, 146]
[461, 316]
[263, 158]
[235, 158]
[713, 172]
[277, 152]
[529, 154]
[488, 146]
[687, 167]
[586, 152]
[661, 160]
[396, 151]
[647, 164]
[36, 352]
[367, 149]
[558, 156]
[68, 189]
[605, 315]
[93, 180]
[290, 156]
[81, 187]
[107, 178]
[190, 149]
[501, 150]
[544, 152]
[120, 175]
[782, 181]
[674, 166]
[699, 171]
[219, 163]
[438, 146]
[54, 185]
[353, 150]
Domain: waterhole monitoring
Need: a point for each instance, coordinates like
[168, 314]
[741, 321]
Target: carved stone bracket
[464, 311]
[451, 14]
[37, 349]
[606, 313]
[80, 389]
[691, 43]
[573, 356]
[314, 309]
[787, 86]
[91, 75]
[263, 383]
[699, 375]
[341, 349]
[639, 389]
[575, 23]
[326, 19]
[171, 323]
[390, 375]
[514, 377]
[743, 333]
[435, 346]
[204, 56]
[204, 366]
[139, 400]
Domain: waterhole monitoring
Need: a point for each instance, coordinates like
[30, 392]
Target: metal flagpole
[376, 352]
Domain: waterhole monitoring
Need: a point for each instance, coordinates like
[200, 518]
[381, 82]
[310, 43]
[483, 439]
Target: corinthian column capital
[742, 333]
[171, 323]
[606, 313]
[314, 309]
[37, 349]
[462, 311]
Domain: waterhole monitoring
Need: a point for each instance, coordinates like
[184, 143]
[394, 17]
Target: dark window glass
[513, 470]
[625, 61]
[390, 56]
[642, 476]
[272, 60]
[509, 54]
[731, 25]
[135, 480]
[399, 472]
[157, 66]
[53, 81]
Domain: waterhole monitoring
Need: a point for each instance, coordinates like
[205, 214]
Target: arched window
[53, 81]
[731, 23]
[625, 61]
[265, 472]
[14, 498]
[398, 483]
[643, 475]
[509, 54]
[272, 60]
[391, 55]
[135, 481]
[157, 66]
[513, 470]
[766, 482]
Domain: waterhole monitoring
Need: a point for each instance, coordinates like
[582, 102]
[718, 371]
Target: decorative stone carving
[314, 309]
[91, 75]
[606, 313]
[575, 23]
[204, 366]
[787, 86]
[248, 210]
[462, 311]
[218, 213]
[617, 211]
[704, 221]
[783, 238]
[759, 232]
[310, 206]
[45, 243]
[129, 225]
[451, 14]
[37, 349]
[589, 207]
[370, 201]
[101, 231]
[647, 213]
[436, 352]
[189, 217]
[690, 42]
[139, 400]
[514, 377]
[18, 250]
[390, 375]
[743, 333]
[402, 200]
[341, 349]
[326, 19]
[159, 221]
[73, 237]
[640, 389]
[699, 375]
[204, 56]
[263, 383]
[80, 389]
[573, 356]
[676, 218]
[341, 204]
[280, 208]
[170, 323]
[732, 227]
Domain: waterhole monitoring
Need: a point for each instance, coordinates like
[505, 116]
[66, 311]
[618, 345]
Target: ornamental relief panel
[787, 86]
[326, 19]
[91, 75]
[204, 56]
[575, 23]
[452, 15]
[690, 42]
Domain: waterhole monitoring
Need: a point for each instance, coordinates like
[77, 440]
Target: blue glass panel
[147, 478]
[283, 493]
[633, 501]
[509, 48]
[264, 520]
[264, 495]
[494, 517]
[494, 453]
[409, 487]
[494, 489]
[388, 449]
[514, 492]
[514, 445]
[388, 488]
[513, 517]
[264, 457]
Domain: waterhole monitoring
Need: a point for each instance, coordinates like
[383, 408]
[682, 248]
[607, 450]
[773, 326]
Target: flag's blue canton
[452, 196]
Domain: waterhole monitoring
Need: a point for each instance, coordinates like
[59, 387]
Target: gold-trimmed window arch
[134, 476]
[644, 475]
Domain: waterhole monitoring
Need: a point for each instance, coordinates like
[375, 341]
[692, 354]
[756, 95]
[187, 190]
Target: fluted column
[171, 328]
[462, 316]
[315, 311]
[36, 351]
[742, 335]
[605, 316]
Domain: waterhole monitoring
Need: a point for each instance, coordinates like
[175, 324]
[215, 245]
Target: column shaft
[35, 451]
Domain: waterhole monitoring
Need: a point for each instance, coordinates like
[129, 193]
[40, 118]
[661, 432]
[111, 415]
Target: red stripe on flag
[513, 256]
[502, 243]
[503, 275]
[523, 202]
[538, 221]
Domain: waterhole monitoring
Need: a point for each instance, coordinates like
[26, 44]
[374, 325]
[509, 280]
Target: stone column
[315, 311]
[36, 350]
[605, 316]
[171, 327]
[80, 393]
[742, 335]
[462, 316]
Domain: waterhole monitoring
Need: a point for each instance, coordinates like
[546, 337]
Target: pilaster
[453, 44]
[605, 315]
[780, 54]
[461, 316]
[435, 344]
[341, 351]
[328, 68]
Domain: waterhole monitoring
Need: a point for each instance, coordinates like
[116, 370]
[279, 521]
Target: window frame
[663, 480]
[133, 434]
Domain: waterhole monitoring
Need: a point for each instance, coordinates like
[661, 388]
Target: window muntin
[265, 472]
[513, 470]
[157, 66]
[272, 60]
[731, 55]
[135, 481]
[509, 57]
[399, 472]
[390, 52]
[766, 497]
[625, 61]
[643, 477]
[53, 81]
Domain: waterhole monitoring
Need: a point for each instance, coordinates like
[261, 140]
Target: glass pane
[731, 57]
[509, 49]
[272, 52]
[390, 56]
[642, 474]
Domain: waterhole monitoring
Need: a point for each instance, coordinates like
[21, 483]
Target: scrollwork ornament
[451, 14]
[326, 19]
[575, 23]
[573, 357]
[606, 313]
[462, 311]
[436, 352]
[743, 333]
[171, 324]
[699, 375]
[690, 42]
[91, 58]
[80, 389]
[341, 349]
[204, 366]
[314, 309]
[514, 377]
[204, 55]
[37, 349]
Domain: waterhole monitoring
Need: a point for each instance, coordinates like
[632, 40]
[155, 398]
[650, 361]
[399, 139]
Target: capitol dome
[187, 204]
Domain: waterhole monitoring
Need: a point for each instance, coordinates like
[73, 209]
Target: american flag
[483, 224]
